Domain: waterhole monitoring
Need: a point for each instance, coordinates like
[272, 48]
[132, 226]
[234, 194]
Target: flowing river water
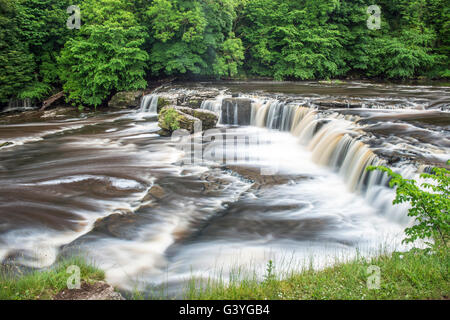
[288, 184]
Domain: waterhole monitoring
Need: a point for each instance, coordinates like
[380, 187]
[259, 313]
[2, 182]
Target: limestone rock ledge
[172, 118]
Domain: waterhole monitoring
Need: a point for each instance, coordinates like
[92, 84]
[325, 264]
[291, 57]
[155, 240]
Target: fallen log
[51, 100]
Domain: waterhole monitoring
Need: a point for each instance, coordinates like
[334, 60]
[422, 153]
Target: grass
[418, 274]
[43, 285]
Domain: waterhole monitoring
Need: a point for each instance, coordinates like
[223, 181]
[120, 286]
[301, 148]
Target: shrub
[430, 203]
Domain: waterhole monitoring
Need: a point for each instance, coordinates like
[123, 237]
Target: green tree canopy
[16, 62]
[122, 43]
[43, 29]
[106, 56]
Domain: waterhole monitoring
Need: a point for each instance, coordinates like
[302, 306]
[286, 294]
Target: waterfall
[214, 106]
[232, 113]
[19, 105]
[273, 115]
[260, 113]
[329, 139]
[332, 140]
[149, 104]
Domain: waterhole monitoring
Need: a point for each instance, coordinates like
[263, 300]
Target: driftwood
[51, 100]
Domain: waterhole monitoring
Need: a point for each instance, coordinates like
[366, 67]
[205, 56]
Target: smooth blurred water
[163, 220]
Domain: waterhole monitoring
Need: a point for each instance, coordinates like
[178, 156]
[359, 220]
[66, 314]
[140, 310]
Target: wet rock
[162, 102]
[330, 82]
[173, 118]
[339, 104]
[208, 118]
[59, 113]
[195, 99]
[5, 144]
[155, 193]
[195, 103]
[214, 182]
[126, 99]
[264, 180]
[90, 291]
[164, 133]
[114, 223]
[191, 98]
[237, 111]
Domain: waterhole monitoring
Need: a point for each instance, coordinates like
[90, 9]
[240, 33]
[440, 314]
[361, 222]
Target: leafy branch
[429, 201]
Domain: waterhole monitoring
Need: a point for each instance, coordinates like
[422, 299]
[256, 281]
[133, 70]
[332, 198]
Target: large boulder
[208, 118]
[172, 118]
[191, 98]
[126, 99]
[162, 102]
[194, 98]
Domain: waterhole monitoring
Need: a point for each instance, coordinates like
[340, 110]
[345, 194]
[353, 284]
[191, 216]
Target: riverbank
[47, 284]
[418, 274]
[415, 275]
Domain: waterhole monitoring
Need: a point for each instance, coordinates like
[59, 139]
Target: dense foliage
[16, 63]
[121, 43]
[106, 55]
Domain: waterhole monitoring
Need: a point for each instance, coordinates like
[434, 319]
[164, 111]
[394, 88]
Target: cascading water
[19, 105]
[232, 113]
[333, 145]
[149, 104]
[214, 106]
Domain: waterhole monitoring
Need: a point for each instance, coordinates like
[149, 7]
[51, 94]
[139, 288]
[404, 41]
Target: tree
[42, 25]
[230, 58]
[187, 37]
[106, 56]
[292, 39]
[430, 203]
[123, 42]
[403, 48]
[16, 63]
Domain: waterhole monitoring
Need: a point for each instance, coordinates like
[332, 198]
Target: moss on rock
[126, 99]
[162, 102]
[172, 118]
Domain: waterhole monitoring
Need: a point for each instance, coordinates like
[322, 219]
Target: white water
[334, 145]
[149, 104]
[214, 106]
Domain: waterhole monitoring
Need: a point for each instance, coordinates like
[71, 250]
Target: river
[153, 212]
